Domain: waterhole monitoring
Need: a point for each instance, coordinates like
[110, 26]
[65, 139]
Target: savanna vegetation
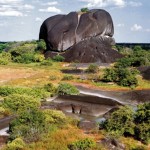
[130, 123]
[27, 79]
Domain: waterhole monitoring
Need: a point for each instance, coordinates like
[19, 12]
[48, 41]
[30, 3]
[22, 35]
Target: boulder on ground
[82, 37]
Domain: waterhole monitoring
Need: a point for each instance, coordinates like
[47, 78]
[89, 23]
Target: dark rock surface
[85, 37]
[112, 144]
[87, 125]
[145, 71]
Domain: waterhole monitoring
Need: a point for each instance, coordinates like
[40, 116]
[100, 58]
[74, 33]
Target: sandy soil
[7, 74]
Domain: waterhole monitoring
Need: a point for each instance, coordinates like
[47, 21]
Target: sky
[21, 19]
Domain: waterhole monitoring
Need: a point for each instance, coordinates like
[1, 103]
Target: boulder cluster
[82, 37]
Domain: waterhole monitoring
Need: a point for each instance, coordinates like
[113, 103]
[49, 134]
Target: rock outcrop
[83, 37]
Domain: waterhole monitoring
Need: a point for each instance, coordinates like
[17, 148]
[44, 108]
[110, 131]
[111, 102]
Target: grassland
[32, 75]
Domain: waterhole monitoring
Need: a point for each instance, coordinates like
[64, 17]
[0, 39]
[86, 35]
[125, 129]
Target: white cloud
[135, 4]
[10, 1]
[136, 27]
[51, 9]
[11, 13]
[14, 8]
[104, 3]
[120, 25]
[38, 19]
[147, 30]
[27, 6]
[50, 3]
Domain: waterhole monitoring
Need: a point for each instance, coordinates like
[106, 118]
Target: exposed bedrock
[85, 37]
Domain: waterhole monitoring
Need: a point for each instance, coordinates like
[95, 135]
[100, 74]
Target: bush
[41, 45]
[92, 68]
[121, 76]
[128, 123]
[54, 117]
[38, 92]
[138, 57]
[52, 78]
[142, 132]
[3, 61]
[38, 58]
[47, 62]
[5, 58]
[16, 144]
[50, 88]
[142, 120]
[120, 122]
[67, 77]
[58, 58]
[29, 125]
[110, 75]
[85, 144]
[67, 89]
[18, 103]
[84, 10]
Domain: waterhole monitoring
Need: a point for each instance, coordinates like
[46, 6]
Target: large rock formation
[85, 37]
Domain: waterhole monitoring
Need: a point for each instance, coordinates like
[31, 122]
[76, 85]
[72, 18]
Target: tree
[67, 89]
[121, 76]
[121, 122]
[142, 120]
[137, 48]
[41, 45]
[110, 75]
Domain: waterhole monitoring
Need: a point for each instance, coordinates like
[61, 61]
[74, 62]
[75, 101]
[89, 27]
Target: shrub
[120, 122]
[18, 103]
[41, 45]
[47, 62]
[29, 125]
[110, 75]
[142, 132]
[128, 123]
[52, 78]
[130, 81]
[84, 10]
[92, 68]
[85, 144]
[3, 61]
[58, 58]
[24, 48]
[67, 77]
[37, 92]
[5, 58]
[54, 117]
[50, 88]
[67, 89]
[142, 120]
[121, 76]
[3, 46]
[38, 58]
[16, 144]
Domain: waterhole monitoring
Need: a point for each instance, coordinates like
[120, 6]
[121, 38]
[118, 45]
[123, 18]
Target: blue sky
[21, 19]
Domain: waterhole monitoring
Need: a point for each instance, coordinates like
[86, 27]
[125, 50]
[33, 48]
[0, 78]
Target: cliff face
[86, 37]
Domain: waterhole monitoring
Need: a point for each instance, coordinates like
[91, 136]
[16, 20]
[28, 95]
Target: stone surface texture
[83, 37]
